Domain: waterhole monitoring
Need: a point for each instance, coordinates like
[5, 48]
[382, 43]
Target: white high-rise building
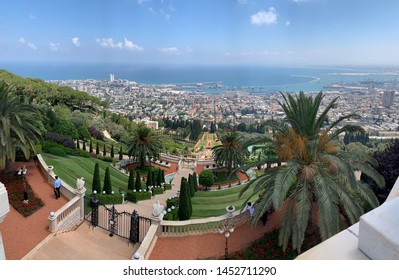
[111, 78]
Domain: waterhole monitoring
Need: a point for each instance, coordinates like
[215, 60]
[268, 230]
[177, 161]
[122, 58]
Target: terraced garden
[70, 168]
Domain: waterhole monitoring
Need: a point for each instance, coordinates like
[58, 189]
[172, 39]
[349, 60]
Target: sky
[204, 32]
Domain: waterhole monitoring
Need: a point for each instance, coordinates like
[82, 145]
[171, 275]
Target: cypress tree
[107, 182]
[77, 144]
[84, 145]
[112, 151]
[184, 211]
[191, 185]
[153, 178]
[96, 184]
[91, 147]
[138, 182]
[149, 179]
[104, 151]
[130, 183]
[120, 153]
[159, 177]
[163, 176]
[195, 181]
[97, 149]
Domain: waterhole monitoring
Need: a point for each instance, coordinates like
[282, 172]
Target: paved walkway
[30, 238]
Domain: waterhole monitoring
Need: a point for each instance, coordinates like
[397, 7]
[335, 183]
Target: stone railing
[170, 158]
[72, 213]
[201, 226]
[185, 228]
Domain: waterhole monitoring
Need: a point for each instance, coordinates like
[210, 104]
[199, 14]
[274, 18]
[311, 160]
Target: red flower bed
[15, 186]
[266, 248]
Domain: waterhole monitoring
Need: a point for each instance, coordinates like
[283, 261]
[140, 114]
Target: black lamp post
[226, 229]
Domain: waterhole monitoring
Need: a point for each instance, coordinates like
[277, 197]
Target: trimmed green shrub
[137, 196]
[172, 215]
[185, 209]
[96, 185]
[57, 151]
[172, 202]
[110, 198]
[107, 182]
[156, 191]
[106, 159]
[82, 153]
[167, 187]
[130, 183]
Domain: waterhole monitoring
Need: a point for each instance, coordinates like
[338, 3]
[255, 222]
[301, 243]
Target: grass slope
[70, 168]
[213, 203]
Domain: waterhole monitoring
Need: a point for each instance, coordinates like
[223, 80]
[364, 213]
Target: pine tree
[112, 151]
[138, 182]
[120, 153]
[91, 147]
[96, 184]
[104, 151]
[107, 182]
[130, 183]
[184, 210]
[97, 149]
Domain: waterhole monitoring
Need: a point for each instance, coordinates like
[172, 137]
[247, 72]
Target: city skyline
[289, 32]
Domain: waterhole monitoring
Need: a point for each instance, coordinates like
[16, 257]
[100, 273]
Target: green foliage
[185, 208]
[120, 153]
[175, 201]
[97, 148]
[173, 215]
[130, 183]
[156, 191]
[57, 151]
[84, 145]
[112, 151]
[167, 187]
[77, 144]
[65, 127]
[104, 150]
[206, 178]
[96, 184]
[107, 182]
[91, 147]
[137, 196]
[110, 198]
[137, 184]
[105, 158]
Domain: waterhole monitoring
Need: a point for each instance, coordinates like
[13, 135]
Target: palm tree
[230, 152]
[20, 125]
[144, 143]
[318, 178]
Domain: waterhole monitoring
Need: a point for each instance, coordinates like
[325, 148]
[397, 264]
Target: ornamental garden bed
[15, 186]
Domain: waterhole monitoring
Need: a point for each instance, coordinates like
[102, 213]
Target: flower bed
[265, 248]
[15, 189]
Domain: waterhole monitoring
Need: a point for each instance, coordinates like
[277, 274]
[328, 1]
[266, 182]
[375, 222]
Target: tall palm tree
[318, 177]
[20, 125]
[144, 143]
[230, 152]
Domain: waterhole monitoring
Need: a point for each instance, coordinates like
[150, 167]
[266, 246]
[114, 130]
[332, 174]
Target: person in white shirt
[250, 208]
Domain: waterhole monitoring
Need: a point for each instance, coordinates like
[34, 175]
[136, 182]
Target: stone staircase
[84, 243]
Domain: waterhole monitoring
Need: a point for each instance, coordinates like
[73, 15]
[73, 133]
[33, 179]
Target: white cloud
[75, 41]
[287, 23]
[265, 17]
[28, 44]
[54, 47]
[126, 45]
[129, 45]
[171, 50]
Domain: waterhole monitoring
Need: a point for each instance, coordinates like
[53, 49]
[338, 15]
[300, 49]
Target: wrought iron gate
[124, 224]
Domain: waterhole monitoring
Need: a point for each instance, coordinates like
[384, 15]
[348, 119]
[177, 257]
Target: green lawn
[71, 167]
[213, 203]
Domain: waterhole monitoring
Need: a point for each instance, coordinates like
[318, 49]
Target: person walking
[57, 187]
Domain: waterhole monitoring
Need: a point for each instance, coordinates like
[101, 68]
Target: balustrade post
[81, 194]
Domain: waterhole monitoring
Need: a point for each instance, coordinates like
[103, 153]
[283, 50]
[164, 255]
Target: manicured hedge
[137, 196]
[172, 202]
[110, 198]
[167, 187]
[156, 191]
[172, 215]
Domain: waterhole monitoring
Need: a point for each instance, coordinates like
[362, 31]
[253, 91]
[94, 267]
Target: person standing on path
[57, 186]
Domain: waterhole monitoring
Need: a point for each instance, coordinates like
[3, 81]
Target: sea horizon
[234, 77]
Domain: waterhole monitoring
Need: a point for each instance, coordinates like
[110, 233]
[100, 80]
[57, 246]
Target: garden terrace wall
[72, 213]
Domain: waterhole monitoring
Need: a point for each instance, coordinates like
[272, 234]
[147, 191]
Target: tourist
[57, 187]
[250, 208]
[264, 217]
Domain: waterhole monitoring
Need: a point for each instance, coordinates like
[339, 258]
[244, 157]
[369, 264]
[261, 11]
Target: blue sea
[251, 78]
